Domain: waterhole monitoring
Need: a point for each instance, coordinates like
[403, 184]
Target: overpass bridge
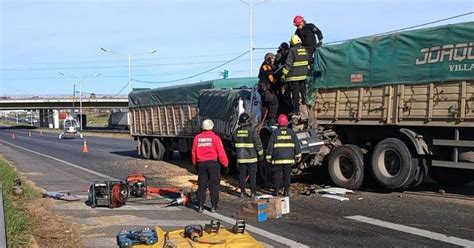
[48, 108]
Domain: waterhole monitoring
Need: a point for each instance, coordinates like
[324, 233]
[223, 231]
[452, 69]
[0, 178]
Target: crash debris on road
[328, 192]
[265, 207]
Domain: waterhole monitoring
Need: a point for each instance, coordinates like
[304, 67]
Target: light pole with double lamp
[80, 89]
[129, 63]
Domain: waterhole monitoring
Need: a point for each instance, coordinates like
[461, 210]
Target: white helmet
[207, 124]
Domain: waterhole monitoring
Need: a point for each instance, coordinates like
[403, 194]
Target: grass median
[16, 213]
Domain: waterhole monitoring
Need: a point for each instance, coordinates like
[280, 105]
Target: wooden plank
[147, 119]
[152, 116]
[174, 121]
[140, 119]
[190, 118]
[360, 103]
[160, 123]
[385, 104]
[336, 108]
[430, 102]
[402, 103]
[182, 118]
[390, 104]
[167, 123]
[462, 104]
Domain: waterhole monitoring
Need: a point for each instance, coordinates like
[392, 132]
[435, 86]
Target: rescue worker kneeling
[249, 150]
[267, 88]
[207, 153]
[283, 151]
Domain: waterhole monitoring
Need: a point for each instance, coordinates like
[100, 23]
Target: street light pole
[80, 90]
[250, 3]
[129, 63]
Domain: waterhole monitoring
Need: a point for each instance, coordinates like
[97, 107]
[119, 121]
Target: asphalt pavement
[420, 217]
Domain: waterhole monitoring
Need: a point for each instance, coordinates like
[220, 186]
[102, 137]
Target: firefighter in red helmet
[283, 151]
[310, 35]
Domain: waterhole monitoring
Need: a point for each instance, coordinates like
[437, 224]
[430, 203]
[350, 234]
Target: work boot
[253, 194]
[201, 208]
[214, 208]
[241, 195]
[285, 192]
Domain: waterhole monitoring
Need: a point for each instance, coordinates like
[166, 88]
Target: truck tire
[451, 176]
[157, 149]
[421, 173]
[146, 148]
[346, 166]
[392, 164]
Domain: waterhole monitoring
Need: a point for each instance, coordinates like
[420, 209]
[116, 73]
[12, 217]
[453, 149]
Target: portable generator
[137, 184]
[110, 194]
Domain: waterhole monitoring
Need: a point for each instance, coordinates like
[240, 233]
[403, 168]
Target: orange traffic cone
[29, 134]
[13, 136]
[85, 149]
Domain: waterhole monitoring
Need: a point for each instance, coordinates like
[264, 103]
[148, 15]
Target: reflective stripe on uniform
[242, 135]
[285, 71]
[244, 145]
[283, 161]
[298, 155]
[284, 145]
[260, 152]
[283, 137]
[301, 52]
[300, 63]
[299, 78]
[268, 157]
[246, 160]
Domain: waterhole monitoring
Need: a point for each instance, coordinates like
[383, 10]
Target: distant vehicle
[118, 120]
[70, 127]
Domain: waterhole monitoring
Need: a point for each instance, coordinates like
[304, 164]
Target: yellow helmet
[295, 39]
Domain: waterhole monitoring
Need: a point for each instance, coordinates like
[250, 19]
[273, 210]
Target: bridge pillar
[49, 117]
[43, 118]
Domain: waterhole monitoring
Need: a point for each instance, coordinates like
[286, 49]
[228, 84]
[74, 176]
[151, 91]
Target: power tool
[110, 194]
[137, 183]
[193, 232]
[146, 236]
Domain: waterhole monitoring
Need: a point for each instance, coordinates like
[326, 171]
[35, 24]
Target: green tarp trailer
[183, 94]
[439, 54]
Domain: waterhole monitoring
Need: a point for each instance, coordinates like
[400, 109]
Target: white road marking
[414, 231]
[229, 220]
[62, 161]
[258, 231]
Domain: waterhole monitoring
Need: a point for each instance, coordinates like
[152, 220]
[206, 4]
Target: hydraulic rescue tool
[137, 184]
[110, 194]
[193, 232]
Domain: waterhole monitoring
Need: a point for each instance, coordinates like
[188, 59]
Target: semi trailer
[397, 107]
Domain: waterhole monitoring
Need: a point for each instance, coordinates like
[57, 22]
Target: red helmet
[282, 120]
[298, 20]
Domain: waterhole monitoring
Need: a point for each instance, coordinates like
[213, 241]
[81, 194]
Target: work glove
[319, 44]
[226, 170]
[298, 159]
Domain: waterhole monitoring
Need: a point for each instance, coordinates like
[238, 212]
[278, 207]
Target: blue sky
[39, 38]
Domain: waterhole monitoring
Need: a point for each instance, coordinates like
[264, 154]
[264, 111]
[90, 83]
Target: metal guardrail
[3, 234]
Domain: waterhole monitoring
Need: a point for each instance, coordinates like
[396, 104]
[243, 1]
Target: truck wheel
[451, 176]
[392, 164]
[421, 173]
[146, 148]
[346, 166]
[157, 149]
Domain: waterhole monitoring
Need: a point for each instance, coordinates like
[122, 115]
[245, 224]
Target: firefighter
[207, 153]
[283, 95]
[283, 151]
[295, 72]
[308, 34]
[267, 88]
[249, 150]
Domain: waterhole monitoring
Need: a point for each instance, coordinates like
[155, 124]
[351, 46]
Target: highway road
[414, 218]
